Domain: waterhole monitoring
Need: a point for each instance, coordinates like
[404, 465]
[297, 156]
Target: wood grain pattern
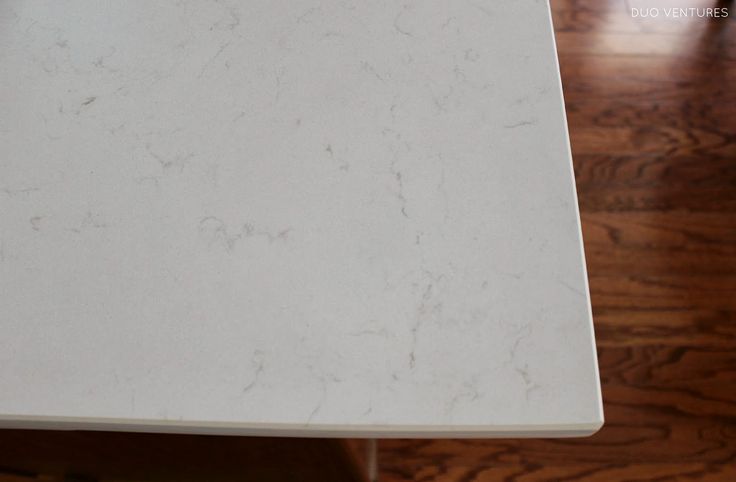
[652, 115]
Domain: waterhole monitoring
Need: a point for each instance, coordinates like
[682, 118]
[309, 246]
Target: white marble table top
[322, 218]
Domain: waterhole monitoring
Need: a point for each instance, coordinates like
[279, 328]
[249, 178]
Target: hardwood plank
[614, 16]
[618, 20]
[710, 115]
[646, 80]
[672, 243]
[657, 183]
[662, 292]
[713, 41]
[633, 140]
[626, 198]
[658, 171]
[682, 373]
[581, 472]
[709, 327]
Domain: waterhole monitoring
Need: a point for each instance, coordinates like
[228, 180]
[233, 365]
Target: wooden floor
[652, 115]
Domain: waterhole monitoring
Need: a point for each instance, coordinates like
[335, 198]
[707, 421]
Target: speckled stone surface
[332, 218]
